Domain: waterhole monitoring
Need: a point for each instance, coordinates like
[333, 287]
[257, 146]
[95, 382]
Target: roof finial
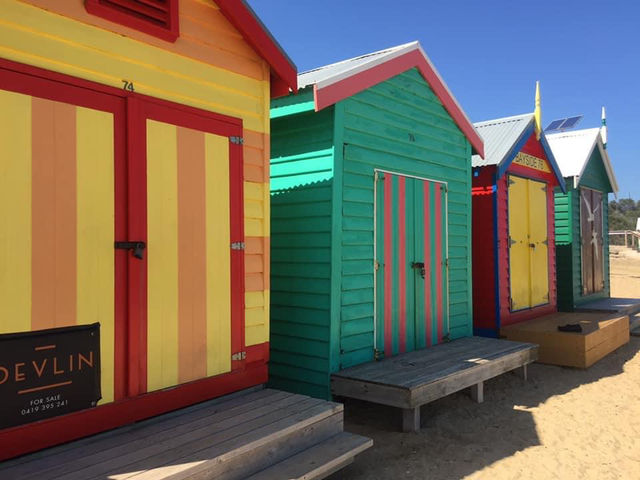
[603, 129]
[538, 112]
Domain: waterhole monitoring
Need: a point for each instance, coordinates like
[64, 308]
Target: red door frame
[131, 402]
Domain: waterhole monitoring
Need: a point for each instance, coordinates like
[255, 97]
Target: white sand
[563, 423]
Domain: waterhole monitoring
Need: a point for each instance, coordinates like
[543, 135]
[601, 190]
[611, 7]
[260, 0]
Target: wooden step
[319, 461]
[224, 440]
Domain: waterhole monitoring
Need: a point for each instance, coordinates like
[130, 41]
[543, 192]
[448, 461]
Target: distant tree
[623, 215]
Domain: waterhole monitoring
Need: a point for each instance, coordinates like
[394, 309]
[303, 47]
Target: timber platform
[259, 435]
[412, 379]
[623, 306]
[601, 333]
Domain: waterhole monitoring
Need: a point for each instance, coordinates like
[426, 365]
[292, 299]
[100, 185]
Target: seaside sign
[47, 373]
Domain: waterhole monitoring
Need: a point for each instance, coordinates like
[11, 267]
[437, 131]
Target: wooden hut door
[411, 263]
[591, 241]
[528, 246]
[194, 269]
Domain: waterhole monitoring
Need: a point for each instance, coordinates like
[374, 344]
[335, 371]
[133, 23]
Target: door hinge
[376, 265]
[378, 354]
[237, 140]
[511, 181]
[446, 262]
[511, 241]
[239, 356]
[545, 242]
[237, 246]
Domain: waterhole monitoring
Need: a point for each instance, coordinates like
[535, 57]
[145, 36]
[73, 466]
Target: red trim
[236, 192]
[35, 436]
[402, 270]
[438, 260]
[388, 266]
[137, 230]
[427, 261]
[358, 82]
[256, 34]
[121, 275]
[117, 11]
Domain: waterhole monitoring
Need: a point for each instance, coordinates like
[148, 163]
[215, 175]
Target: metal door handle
[532, 245]
[136, 247]
[420, 266]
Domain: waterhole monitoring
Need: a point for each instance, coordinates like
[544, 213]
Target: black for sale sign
[48, 373]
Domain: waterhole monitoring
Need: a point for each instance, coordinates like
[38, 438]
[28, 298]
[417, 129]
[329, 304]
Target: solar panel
[571, 122]
[563, 124]
[554, 125]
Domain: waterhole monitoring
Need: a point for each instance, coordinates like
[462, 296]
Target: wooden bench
[410, 380]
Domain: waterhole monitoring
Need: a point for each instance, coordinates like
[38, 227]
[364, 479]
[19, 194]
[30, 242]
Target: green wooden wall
[322, 178]
[568, 252]
[301, 189]
[401, 126]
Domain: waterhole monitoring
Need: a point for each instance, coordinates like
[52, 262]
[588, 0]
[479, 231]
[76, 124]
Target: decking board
[410, 380]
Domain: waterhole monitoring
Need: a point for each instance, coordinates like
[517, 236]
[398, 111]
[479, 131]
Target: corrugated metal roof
[573, 150]
[500, 135]
[337, 71]
[340, 80]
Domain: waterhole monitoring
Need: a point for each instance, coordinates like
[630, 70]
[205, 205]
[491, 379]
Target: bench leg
[411, 419]
[477, 392]
[522, 372]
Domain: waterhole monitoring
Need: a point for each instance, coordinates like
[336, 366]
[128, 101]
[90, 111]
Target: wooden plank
[445, 351]
[41, 461]
[319, 461]
[196, 462]
[141, 454]
[439, 389]
[266, 455]
[371, 392]
[435, 372]
[411, 419]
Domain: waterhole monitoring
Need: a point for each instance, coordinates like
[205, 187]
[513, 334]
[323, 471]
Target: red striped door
[411, 270]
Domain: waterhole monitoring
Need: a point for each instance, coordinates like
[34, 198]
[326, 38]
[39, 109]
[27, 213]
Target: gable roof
[245, 20]
[573, 151]
[505, 137]
[500, 135]
[341, 80]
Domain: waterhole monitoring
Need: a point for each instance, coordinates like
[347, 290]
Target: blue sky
[586, 54]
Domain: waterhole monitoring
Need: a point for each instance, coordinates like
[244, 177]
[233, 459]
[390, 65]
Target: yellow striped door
[519, 255]
[538, 242]
[188, 247]
[57, 210]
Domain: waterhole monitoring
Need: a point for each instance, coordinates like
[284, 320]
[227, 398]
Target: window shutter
[154, 17]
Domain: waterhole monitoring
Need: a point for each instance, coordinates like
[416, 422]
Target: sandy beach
[562, 423]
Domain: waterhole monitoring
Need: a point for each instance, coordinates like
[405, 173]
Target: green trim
[277, 112]
[336, 241]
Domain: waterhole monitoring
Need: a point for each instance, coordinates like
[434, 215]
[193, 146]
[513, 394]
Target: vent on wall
[154, 17]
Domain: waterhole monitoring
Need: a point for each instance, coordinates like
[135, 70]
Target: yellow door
[528, 249]
[519, 256]
[538, 243]
[189, 258]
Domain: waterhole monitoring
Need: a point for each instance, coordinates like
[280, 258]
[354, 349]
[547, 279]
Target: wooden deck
[601, 334]
[413, 379]
[263, 434]
[623, 306]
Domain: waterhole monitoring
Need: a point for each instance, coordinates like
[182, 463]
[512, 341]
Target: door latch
[418, 266]
[136, 247]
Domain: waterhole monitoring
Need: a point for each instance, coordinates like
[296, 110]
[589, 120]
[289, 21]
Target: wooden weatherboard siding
[399, 126]
[568, 235]
[322, 184]
[302, 169]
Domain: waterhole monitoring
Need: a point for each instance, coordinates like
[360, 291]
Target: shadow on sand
[459, 437]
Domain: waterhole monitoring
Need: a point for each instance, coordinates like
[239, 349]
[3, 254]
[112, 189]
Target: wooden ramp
[263, 434]
[413, 379]
[601, 334]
